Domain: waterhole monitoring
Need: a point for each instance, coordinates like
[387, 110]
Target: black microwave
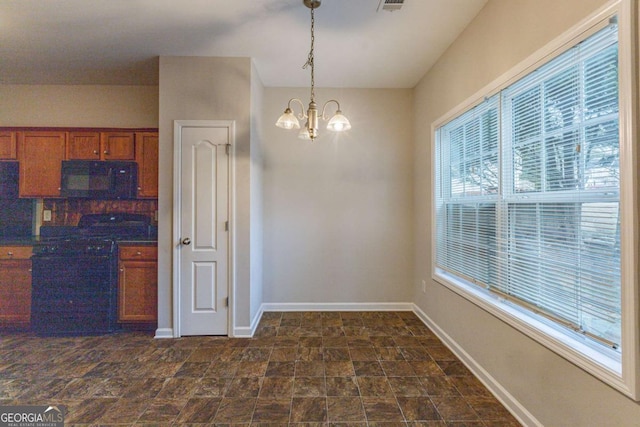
[91, 179]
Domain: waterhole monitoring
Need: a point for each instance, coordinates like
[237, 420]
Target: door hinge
[228, 148]
[226, 226]
[226, 302]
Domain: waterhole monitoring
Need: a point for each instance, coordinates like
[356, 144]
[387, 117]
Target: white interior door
[203, 243]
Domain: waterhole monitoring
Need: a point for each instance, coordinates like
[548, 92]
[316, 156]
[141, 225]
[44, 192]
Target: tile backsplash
[69, 211]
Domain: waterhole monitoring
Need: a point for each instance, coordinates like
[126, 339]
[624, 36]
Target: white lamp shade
[304, 134]
[338, 122]
[288, 120]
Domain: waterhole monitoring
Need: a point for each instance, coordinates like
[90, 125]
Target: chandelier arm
[324, 107]
[302, 115]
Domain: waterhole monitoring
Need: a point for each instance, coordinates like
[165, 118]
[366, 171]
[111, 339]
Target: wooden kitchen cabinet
[84, 145]
[8, 145]
[138, 284]
[117, 146]
[147, 158]
[15, 286]
[40, 154]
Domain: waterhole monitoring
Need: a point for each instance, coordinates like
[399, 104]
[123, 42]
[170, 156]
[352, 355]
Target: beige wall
[205, 88]
[552, 390]
[79, 106]
[338, 212]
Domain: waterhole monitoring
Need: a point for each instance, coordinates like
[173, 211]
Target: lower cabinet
[138, 284]
[15, 286]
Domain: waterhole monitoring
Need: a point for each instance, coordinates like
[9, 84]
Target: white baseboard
[338, 306]
[248, 332]
[510, 402]
[164, 333]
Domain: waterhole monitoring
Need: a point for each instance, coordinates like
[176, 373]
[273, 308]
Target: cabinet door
[40, 154]
[15, 292]
[147, 158]
[117, 145]
[8, 149]
[83, 145]
[138, 291]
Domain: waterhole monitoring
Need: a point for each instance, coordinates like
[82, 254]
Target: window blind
[468, 188]
[527, 191]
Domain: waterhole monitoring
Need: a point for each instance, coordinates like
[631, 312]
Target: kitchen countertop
[139, 242]
[33, 240]
[19, 241]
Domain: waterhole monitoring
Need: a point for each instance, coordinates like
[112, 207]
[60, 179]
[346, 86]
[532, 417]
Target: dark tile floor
[312, 368]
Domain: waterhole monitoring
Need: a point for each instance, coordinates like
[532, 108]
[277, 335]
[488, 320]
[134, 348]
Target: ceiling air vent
[390, 5]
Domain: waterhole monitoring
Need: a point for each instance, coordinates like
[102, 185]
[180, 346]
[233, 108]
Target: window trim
[621, 372]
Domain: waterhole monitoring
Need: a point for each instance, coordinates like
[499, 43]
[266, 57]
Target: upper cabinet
[40, 154]
[101, 146]
[147, 158]
[8, 145]
[83, 146]
[117, 145]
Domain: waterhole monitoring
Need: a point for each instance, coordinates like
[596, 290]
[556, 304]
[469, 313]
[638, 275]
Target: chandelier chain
[313, 114]
[310, 57]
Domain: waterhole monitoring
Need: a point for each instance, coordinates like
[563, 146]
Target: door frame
[178, 125]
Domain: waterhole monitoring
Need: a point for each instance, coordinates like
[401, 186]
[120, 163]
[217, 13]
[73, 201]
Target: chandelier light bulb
[304, 133]
[288, 120]
[338, 122]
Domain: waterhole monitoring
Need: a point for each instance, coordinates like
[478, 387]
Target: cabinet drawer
[15, 252]
[138, 252]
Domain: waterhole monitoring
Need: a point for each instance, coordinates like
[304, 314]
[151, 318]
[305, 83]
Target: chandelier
[288, 119]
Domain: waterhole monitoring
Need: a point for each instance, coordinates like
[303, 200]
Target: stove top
[76, 246]
[111, 225]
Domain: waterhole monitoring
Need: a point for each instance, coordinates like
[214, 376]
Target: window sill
[597, 360]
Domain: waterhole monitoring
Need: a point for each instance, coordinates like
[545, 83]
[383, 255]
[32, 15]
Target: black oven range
[75, 276]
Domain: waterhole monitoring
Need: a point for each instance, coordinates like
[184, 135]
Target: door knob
[186, 241]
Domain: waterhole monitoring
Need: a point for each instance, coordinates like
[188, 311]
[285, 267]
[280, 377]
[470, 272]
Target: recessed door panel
[204, 161]
[204, 286]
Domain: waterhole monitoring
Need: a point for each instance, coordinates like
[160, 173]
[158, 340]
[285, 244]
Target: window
[528, 198]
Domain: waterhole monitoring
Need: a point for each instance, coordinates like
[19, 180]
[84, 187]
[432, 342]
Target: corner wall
[256, 188]
[553, 391]
[205, 88]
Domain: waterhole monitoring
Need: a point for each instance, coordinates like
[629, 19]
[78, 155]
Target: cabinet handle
[122, 270]
[10, 254]
[96, 152]
[138, 253]
[106, 152]
[30, 270]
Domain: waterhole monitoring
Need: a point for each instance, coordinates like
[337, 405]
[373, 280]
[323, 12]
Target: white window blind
[468, 185]
[527, 191]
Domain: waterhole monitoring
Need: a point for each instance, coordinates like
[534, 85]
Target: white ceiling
[118, 41]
